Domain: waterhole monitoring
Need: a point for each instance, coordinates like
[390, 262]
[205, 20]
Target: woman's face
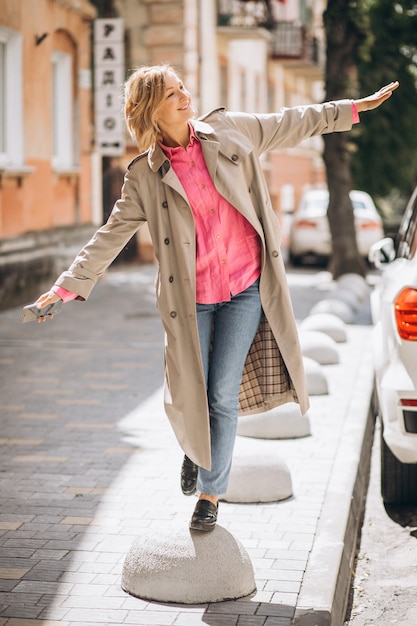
[177, 107]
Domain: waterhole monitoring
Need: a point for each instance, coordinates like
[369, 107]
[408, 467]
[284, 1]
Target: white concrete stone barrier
[282, 422]
[174, 564]
[317, 382]
[346, 296]
[258, 478]
[356, 284]
[335, 307]
[326, 323]
[346, 299]
[319, 346]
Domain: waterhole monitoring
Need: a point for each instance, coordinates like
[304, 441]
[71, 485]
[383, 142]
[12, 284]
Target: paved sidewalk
[89, 463]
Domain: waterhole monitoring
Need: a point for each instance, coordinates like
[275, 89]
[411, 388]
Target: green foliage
[384, 146]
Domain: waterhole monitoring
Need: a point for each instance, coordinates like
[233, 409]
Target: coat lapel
[235, 149]
[157, 160]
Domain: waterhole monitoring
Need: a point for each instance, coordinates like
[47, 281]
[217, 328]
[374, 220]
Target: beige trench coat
[152, 193]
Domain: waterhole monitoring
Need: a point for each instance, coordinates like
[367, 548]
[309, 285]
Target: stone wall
[30, 263]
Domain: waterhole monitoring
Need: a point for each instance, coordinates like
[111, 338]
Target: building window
[3, 145]
[11, 116]
[62, 111]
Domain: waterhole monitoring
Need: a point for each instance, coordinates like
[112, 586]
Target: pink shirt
[355, 113]
[228, 248]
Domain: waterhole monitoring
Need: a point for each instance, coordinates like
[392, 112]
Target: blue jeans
[229, 327]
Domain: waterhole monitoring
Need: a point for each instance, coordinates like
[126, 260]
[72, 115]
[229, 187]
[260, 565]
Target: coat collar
[202, 129]
[233, 145]
[157, 157]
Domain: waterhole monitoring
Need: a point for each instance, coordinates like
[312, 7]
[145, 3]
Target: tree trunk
[343, 39]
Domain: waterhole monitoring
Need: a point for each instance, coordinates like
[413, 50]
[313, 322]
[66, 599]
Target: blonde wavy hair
[144, 92]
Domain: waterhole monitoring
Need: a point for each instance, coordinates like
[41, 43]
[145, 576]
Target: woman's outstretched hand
[44, 300]
[376, 99]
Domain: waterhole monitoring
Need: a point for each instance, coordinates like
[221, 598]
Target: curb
[325, 589]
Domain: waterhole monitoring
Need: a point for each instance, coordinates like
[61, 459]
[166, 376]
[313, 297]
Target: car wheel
[295, 259]
[398, 480]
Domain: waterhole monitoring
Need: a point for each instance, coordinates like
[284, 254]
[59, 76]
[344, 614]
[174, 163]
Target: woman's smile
[175, 112]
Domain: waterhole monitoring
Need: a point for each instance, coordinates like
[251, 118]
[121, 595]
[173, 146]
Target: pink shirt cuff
[64, 294]
[355, 114]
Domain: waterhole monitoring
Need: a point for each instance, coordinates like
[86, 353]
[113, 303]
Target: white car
[310, 233]
[394, 314]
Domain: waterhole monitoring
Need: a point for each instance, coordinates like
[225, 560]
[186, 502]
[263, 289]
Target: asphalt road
[385, 584]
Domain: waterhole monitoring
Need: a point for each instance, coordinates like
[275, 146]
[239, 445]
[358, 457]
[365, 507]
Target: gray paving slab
[89, 463]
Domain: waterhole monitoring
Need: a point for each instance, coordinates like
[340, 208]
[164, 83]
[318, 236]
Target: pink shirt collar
[171, 151]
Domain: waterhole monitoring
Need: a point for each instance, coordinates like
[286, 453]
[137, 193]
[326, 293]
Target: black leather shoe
[204, 516]
[189, 473]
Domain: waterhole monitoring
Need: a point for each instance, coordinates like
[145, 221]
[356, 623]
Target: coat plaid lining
[265, 380]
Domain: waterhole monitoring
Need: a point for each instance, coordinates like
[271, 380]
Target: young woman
[231, 338]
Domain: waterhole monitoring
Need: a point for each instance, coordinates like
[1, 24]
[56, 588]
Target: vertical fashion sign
[108, 80]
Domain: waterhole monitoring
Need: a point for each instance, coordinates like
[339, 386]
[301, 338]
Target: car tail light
[406, 313]
[368, 225]
[408, 402]
[306, 224]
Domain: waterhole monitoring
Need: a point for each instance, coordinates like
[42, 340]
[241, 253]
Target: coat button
[173, 314]
[166, 241]
[234, 157]
[171, 279]
[165, 204]
[275, 253]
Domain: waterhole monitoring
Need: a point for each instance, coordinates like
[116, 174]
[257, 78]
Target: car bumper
[398, 419]
[309, 241]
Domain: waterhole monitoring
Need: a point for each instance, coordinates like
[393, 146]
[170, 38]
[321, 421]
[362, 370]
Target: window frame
[11, 153]
[406, 241]
[62, 111]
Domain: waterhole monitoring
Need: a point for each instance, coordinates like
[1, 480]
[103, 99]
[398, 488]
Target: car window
[413, 246]
[358, 205]
[406, 242]
[315, 203]
[316, 208]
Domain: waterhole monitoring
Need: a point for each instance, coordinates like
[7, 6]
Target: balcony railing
[289, 39]
[244, 13]
[292, 41]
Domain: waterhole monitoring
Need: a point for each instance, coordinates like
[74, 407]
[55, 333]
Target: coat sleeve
[92, 261]
[290, 126]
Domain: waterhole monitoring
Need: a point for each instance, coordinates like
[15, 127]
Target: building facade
[45, 138]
